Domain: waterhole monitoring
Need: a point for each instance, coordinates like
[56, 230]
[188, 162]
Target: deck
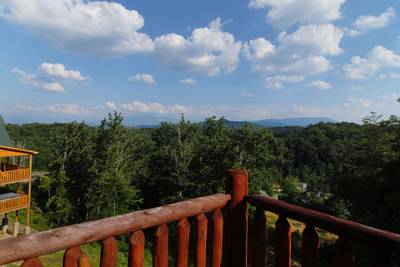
[13, 176]
[12, 201]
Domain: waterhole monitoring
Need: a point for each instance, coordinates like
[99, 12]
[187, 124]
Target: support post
[28, 212]
[236, 220]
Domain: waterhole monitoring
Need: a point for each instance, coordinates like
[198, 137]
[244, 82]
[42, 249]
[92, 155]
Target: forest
[349, 170]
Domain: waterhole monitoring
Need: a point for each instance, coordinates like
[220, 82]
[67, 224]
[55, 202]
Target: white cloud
[358, 103]
[58, 71]
[307, 110]
[365, 23]
[378, 58]
[39, 82]
[208, 50]
[322, 85]
[284, 13]
[389, 75]
[111, 105]
[276, 82]
[156, 108]
[88, 27]
[146, 78]
[68, 109]
[302, 52]
[188, 80]
[244, 93]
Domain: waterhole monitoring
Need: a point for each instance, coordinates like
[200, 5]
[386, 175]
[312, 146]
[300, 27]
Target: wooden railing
[15, 203]
[229, 239]
[381, 243]
[11, 176]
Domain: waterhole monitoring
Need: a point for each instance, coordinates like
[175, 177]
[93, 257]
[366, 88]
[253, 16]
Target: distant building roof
[4, 137]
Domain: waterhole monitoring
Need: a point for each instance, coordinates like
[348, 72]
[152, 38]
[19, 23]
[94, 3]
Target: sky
[63, 60]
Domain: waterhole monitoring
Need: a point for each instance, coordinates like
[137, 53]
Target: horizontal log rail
[383, 243]
[15, 203]
[14, 175]
[71, 237]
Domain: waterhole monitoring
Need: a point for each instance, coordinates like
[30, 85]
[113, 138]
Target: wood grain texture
[182, 254]
[160, 255]
[310, 246]
[283, 246]
[201, 242]
[260, 239]
[71, 256]
[136, 249]
[109, 252]
[218, 232]
[33, 262]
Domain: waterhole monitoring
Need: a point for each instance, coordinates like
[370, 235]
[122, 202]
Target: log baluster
[218, 228]
[201, 248]
[344, 254]
[310, 245]
[136, 249]
[260, 239]
[109, 252]
[183, 243]
[283, 243]
[71, 256]
[84, 261]
[32, 262]
[160, 256]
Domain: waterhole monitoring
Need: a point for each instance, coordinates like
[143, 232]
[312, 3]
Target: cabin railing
[14, 203]
[229, 239]
[11, 176]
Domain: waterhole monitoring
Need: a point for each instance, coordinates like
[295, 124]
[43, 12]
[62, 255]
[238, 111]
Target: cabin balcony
[220, 221]
[13, 201]
[12, 174]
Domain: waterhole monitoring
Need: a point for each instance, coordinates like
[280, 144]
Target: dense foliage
[350, 170]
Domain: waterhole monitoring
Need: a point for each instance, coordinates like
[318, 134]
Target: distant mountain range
[267, 123]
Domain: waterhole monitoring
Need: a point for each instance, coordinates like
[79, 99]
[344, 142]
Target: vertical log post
[201, 248]
[283, 243]
[310, 245]
[383, 259]
[84, 261]
[33, 262]
[109, 252]
[182, 256]
[160, 255]
[344, 254]
[71, 257]
[236, 220]
[260, 239]
[218, 228]
[136, 249]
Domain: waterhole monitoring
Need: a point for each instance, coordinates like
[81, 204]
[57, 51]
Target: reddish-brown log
[236, 220]
[310, 245]
[46, 242]
[352, 230]
[218, 232]
[283, 243]
[71, 256]
[182, 254]
[260, 239]
[160, 255]
[33, 262]
[109, 252]
[84, 261]
[383, 259]
[344, 254]
[136, 249]
[201, 247]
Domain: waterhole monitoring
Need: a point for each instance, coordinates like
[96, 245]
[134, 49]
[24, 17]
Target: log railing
[11, 176]
[14, 203]
[69, 238]
[382, 243]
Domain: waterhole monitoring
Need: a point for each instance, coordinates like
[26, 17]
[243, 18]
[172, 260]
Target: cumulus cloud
[58, 71]
[67, 109]
[188, 80]
[321, 85]
[39, 82]
[378, 58]
[111, 105]
[146, 78]
[89, 27]
[156, 108]
[366, 23]
[358, 103]
[208, 50]
[285, 13]
[276, 82]
[389, 75]
[302, 52]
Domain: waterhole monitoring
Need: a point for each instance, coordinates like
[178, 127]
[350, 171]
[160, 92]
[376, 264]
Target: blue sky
[63, 60]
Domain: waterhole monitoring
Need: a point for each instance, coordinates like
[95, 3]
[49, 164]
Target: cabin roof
[6, 148]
